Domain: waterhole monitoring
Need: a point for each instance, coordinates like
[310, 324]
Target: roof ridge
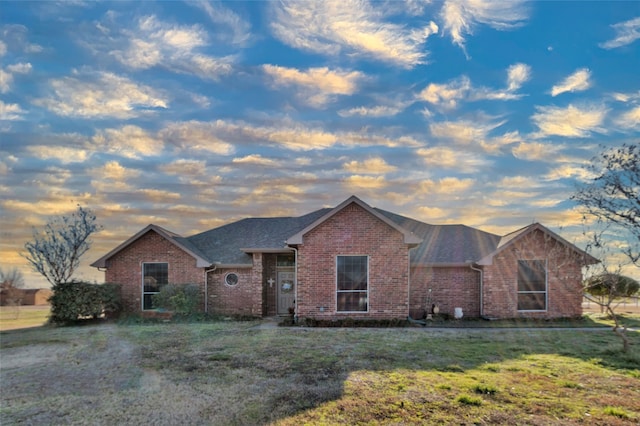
[249, 218]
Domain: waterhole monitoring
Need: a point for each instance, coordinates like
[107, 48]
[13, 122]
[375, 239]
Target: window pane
[157, 273]
[155, 276]
[531, 302]
[352, 280]
[352, 272]
[531, 275]
[286, 260]
[147, 303]
[352, 301]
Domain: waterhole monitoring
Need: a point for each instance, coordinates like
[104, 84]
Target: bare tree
[11, 283]
[604, 287]
[55, 251]
[11, 278]
[611, 196]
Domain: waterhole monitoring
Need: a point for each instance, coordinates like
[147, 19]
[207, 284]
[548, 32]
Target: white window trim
[546, 288]
[352, 291]
[142, 282]
[229, 285]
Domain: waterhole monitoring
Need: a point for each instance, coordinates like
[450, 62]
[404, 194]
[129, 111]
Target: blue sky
[193, 114]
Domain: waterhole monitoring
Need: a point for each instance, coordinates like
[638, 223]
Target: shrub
[353, 322]
[77, 300]
[181, 299]
[111, 300]
[469, 400]
[616, 412]
[611, 285]
[485, 389]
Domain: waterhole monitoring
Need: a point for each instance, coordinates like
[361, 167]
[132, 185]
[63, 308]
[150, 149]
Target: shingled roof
[232, 244]
[229, 244]
[446, 245]
[441, 245]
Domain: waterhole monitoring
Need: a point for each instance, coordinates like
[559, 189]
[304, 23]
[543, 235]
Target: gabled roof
[409, 237]
[446, 245]
[229, 244]
[172, 237]
[513, 237]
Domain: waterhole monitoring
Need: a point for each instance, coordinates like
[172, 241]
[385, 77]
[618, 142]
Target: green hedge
[181, 299]
[77, 300]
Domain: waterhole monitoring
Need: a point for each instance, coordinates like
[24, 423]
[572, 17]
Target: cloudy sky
[193, 114]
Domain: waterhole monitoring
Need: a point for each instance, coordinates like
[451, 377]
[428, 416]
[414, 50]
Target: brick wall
[451, 287]
[125, 267]
[353, 231]
[244, 298]
[564, 278]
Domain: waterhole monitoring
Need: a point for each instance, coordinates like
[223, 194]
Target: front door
[286, 291]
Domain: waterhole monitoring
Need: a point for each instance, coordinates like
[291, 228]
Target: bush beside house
[78, 300]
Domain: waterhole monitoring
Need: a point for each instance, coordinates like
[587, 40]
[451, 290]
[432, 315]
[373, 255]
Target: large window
[532, 285]
[352, 283]
[154, 277]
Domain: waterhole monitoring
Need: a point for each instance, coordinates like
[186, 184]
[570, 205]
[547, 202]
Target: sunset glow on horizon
[190, 115]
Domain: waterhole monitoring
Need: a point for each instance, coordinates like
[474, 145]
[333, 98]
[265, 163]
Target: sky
[193, 114]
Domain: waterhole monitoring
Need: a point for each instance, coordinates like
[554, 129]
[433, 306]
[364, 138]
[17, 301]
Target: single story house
[24, 296]
[354, 261]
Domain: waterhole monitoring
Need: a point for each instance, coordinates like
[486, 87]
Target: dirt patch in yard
[89, 366]
[32, 356]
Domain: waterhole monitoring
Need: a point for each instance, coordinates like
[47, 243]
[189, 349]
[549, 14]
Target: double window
[532, 285]
[154, 277]
[352, 283]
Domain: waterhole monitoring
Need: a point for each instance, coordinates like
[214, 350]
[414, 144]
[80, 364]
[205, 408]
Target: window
[532, 285]
[231, 279]
[286, 260]
[352, 283]
[154, 277]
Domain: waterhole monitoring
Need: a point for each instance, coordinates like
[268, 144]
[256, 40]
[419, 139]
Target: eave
[409, 237]
[510, 239]
[266, 250]
[168, 235]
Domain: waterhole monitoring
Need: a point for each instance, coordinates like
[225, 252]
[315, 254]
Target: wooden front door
[286, 291]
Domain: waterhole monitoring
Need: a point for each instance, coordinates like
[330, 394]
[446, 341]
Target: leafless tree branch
[55, 251]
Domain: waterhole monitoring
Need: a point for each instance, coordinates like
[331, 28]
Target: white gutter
[206, 288]
[409, 283]
[481, 288]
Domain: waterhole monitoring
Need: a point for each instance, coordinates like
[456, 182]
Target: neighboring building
[24, 296]
[355, 261]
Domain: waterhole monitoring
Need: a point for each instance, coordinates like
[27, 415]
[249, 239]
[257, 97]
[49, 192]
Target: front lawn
[234, 373]
[14, 317]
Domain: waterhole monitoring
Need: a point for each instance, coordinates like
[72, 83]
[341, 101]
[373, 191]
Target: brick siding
[452, 287]
[353, 231]
[564, 279]
[244, 298]
[125, 267]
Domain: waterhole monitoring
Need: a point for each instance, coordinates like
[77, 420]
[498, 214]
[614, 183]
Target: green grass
[617, 412]
[469, 400]
[15, 317]
[232, 373]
